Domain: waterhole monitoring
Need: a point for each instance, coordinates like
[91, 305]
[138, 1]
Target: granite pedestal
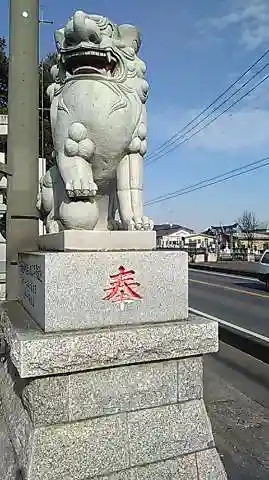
[118, 403]
[93, 391]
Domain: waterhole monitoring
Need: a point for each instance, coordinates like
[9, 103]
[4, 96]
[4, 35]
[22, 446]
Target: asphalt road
[237, 300]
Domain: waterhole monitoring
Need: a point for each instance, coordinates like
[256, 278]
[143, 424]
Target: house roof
[169, 228]
[205, 235]
[226, 229]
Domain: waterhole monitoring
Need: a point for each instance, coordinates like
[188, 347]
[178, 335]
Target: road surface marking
[220, 274]
[232, 289]
[228, 324]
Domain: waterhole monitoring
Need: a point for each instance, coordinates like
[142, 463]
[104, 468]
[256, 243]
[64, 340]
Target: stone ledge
[35, 353]
[87, 241]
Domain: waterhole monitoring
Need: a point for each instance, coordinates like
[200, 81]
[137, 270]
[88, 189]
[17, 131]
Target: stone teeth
[109, 57]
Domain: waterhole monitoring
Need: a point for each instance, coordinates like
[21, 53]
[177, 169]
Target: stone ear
[130, 36]
[59, 38]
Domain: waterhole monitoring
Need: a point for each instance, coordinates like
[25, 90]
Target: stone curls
[77, 143]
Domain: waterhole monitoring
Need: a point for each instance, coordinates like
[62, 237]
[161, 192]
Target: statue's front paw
[143, 223]
[81, 188]
[139, 223]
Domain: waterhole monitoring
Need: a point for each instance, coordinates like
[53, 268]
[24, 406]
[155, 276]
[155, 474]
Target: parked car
[263, 268]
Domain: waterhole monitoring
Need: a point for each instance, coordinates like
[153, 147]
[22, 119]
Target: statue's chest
[105, 109]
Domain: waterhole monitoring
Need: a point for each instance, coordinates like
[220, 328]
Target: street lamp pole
[23, 137]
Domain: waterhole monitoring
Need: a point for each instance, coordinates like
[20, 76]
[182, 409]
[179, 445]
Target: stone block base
[125, 407]
[85, 240]
[69, 291]
[125, 427]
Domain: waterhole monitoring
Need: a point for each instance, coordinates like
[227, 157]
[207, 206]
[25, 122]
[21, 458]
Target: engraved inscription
[29, 292]
[31, 275]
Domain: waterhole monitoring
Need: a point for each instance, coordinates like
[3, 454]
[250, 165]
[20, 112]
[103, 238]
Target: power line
[206, 180]
[175, 141]
[236, 172]
[211, 104]
[173, 147]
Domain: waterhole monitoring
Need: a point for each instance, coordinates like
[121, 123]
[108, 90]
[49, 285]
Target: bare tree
[248, 224]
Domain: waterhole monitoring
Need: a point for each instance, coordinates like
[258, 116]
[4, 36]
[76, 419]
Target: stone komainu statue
[99, 129]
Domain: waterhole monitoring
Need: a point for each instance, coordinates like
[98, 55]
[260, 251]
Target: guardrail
[246, 341]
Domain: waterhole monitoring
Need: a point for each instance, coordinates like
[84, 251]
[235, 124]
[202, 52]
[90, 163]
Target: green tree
[3, 76]
[45, 137]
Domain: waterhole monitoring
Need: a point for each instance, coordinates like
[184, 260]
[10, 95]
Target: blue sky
[193, 50]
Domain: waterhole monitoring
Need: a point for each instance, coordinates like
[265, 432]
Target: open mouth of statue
[89, 62]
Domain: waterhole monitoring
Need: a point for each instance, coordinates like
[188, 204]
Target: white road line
[219, 274]
[227, 324]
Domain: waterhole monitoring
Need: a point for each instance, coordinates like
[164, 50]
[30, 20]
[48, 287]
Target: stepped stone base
[122, 403]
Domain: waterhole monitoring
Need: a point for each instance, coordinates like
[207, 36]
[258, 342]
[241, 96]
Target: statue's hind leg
[130, 191]
[47, 200]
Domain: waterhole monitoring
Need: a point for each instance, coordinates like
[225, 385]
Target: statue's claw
[138, 223]
[81, 189]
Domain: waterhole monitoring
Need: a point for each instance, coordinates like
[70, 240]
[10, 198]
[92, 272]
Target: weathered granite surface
[87, 240]
[188, 467]
[209, 465]
[90, 394]
[128, 403]
[16, 418]
[170, 431]
[35, 353]
[149, 442]
[8, 465]
[65, 291]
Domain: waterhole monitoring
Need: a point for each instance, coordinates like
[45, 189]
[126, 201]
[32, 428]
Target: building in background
[201, 240]
[224, 235]
[170, 235]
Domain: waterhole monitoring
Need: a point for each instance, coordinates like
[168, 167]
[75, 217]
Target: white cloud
[251, 17]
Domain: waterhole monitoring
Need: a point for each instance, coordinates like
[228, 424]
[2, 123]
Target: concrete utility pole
[23, 137]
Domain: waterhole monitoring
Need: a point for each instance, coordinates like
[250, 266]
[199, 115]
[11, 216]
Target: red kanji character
[121, 287]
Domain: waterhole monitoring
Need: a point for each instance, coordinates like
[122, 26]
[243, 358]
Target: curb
[230, 271]
[245, 343]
